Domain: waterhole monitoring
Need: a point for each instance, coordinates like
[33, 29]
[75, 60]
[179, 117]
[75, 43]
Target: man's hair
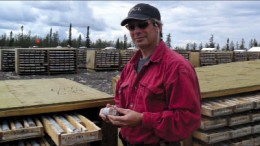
[157, 22]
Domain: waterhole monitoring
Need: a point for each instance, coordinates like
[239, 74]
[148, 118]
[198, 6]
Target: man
[157, 94]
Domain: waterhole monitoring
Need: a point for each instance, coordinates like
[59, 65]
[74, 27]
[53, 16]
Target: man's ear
[158, 27]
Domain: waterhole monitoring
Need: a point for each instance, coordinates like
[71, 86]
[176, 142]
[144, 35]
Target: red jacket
[166, 91]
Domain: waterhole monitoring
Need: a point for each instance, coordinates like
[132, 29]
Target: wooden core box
[62, 134]
[20, 129]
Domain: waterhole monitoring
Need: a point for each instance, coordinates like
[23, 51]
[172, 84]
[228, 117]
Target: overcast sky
[186, 21]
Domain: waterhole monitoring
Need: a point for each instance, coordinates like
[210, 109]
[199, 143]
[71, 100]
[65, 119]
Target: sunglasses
[141, 25]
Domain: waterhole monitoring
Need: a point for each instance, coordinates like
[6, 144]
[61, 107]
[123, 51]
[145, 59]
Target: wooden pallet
[103, 59]
[7, 60]
[207, 59]
[253, 55]
[224, 57]
[45, 61]
[125, 56]
[185, 54]
[82, 58]
[240, 56]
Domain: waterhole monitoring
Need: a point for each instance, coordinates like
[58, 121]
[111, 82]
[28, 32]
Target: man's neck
[148, 51]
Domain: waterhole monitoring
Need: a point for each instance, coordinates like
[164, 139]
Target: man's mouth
[139, 38]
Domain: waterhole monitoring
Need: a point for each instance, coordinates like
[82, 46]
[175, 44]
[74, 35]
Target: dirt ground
[100, 80]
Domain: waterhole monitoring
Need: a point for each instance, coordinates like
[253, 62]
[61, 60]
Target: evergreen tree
[64, 42]
[3, 40]
[102, 44]
[70, 33]
[255, 44]
[187, 46]
[55, 39]
[45, 42]
[87, 38]
[232, 47]
[21, 37]
[79, 41]
[168, 40]
[217, 47]
[50, 41]
[251, 43]
[242, 45]
[117, 46]
[227, 44]
[206, 45]
[194, 46]
[125, 42]
[74, 43]
[200, 46]
[237, 46]
[11, 39]
[211, 42]
[27, 40]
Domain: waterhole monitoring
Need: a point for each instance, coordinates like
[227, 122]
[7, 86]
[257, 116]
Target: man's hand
[102, 116]
[127, 118]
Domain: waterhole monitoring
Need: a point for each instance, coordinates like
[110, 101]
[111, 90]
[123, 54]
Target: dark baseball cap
[142, 12]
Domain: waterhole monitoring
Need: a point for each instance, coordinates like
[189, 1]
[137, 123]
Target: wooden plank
[23, 97]
[212, 123]
[7, 99]
[90, 59]
[213, 136]
[228, 79]
[195, 59]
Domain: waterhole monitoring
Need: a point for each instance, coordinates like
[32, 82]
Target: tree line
[52, 40]
[229, 46]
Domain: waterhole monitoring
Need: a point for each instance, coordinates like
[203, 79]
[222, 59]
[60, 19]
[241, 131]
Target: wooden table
[35, 96]
[228, 79]
[39, 96]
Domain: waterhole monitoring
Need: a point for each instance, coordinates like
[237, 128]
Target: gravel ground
[101, 80]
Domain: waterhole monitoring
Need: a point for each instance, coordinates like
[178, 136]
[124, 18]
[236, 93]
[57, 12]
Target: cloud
[16, 13]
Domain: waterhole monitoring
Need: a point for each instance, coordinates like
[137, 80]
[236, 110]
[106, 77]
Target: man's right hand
[102, 116]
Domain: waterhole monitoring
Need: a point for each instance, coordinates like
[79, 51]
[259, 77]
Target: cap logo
[134, 10]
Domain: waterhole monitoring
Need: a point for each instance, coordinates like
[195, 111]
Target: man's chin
[140, 44]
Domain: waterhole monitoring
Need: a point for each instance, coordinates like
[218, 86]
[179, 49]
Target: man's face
[143, 33]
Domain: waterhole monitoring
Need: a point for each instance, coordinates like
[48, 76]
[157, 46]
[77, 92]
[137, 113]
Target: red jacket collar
[156, 57]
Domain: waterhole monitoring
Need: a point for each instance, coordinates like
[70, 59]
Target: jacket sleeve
[184, 106]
